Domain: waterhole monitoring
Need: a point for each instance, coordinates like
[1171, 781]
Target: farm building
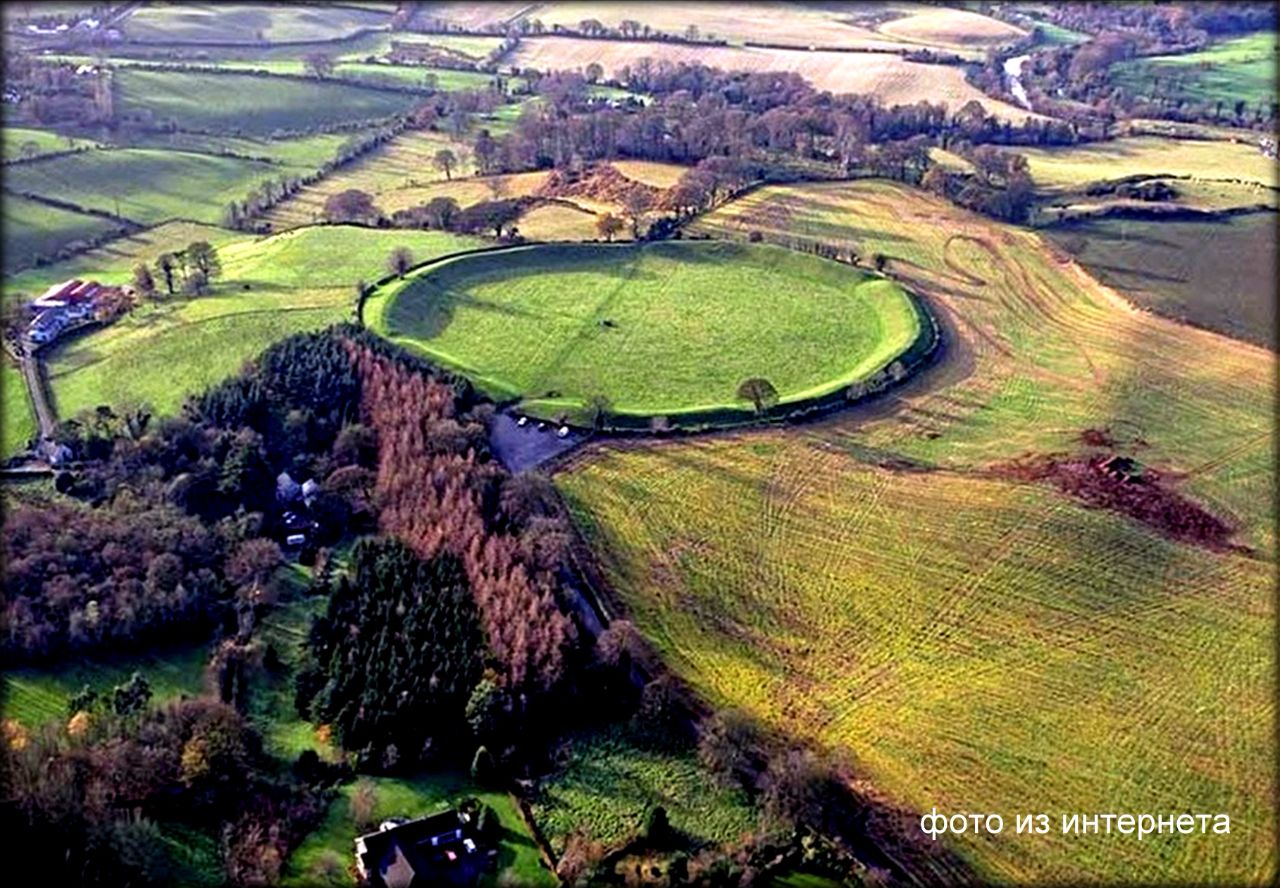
[72, 303]
[440, 849]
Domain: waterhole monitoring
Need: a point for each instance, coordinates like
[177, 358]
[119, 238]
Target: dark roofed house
[440, 849]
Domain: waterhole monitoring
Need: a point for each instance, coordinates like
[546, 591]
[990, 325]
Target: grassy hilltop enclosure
[656, 329]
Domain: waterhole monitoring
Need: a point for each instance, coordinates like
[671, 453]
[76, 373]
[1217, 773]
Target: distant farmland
[249, 104]
[34, 229]
[179, 185]
[889, 77]
[1242, 69]
[951, 28]
[1078, 165]
[1218, 274]
[248, 23]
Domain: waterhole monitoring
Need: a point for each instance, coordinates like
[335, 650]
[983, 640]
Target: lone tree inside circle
[760, 392]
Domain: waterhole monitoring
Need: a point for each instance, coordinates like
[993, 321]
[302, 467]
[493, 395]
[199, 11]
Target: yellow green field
[270, 287]
[404, 163]
[979, 644]
[1076, 165]
[648, 172]
[466, 190]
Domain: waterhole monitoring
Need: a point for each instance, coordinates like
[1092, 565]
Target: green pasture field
[1218, 274]
[15, 138]
[162, 352]
[299, 155]
[249, 104]
[142, 184]
[34, 229]
[248, 23]
[519, 862]
[18, 420]
[657, 329]
[977, 643]
[611, 779]
[1074, 166]
[1240, 69]
[35, 695]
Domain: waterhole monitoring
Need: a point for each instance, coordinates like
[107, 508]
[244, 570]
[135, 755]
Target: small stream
[1013, 71]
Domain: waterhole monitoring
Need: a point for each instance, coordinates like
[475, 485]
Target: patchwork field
[34, 229]
[980, 643]
[663, 328]
[950, 28]
[180, 185]
[246, 104]
[1239, 70]
[1078, 165]
[248, 23]
[404, 164]
[887, 76]
[269, 289]
[1220, 274]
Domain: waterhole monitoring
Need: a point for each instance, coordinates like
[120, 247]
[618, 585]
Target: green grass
[15, 138]
[689, 322]
[146, 185]
[247, 23]
[18, 421]
[518, 859]
[33, 229]
[285, 734]
[160, 353]
[1068, 167]
[1243, 68]
[249, 104]
[1055, 35]
[610, 781]
[33, 696]
[1219, 274]
[977, 643]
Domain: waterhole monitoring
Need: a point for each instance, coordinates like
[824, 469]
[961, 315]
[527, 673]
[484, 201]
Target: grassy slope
[518, 859]
[406, 162]
[18, 420]
[14, 137]
[34, 229]
[981, 645]
[1243, 68]
[247, 103]
[179, 185]
[1075, 166]
[161, 353]
[610, 780]
[33, 696]
[247, 23]
[1220, 274]
[531, 321]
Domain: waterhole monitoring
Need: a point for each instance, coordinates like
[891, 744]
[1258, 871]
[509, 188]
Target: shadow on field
[425, 310]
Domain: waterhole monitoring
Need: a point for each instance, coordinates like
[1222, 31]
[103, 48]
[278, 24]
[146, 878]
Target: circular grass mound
[660, 329]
